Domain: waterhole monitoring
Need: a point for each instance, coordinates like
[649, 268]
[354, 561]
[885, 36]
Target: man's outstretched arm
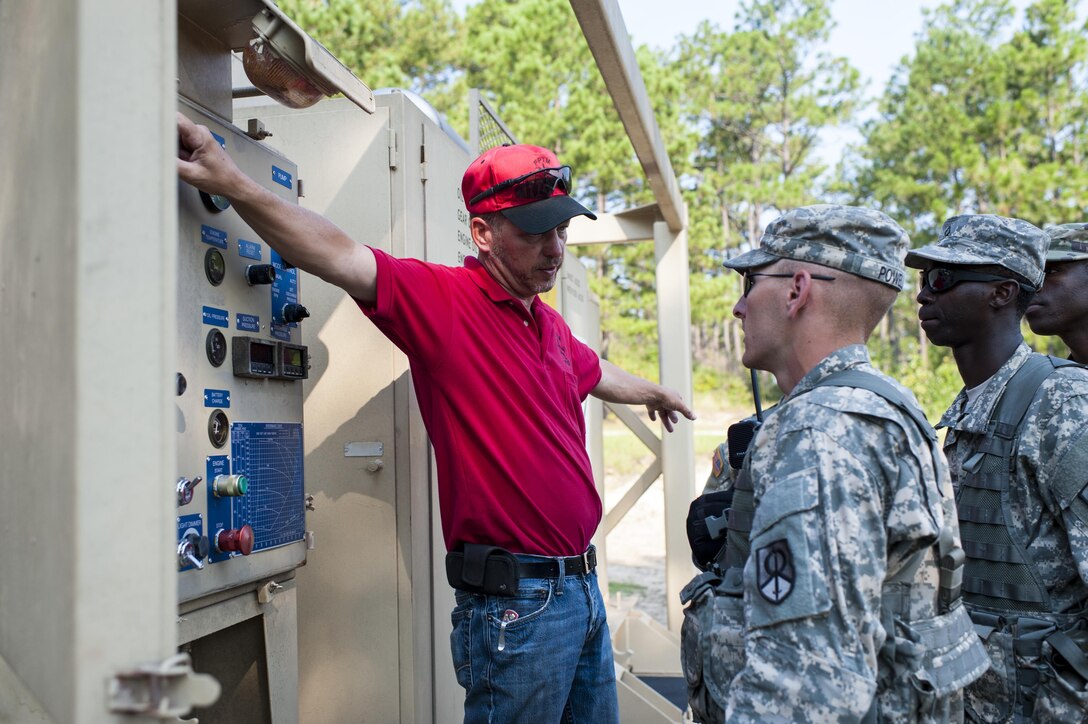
[616, 385]
[307, 240]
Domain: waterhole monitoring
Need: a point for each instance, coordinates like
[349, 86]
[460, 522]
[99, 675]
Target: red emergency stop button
[240, 540]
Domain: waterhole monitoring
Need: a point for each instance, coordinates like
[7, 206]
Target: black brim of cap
[545, 215]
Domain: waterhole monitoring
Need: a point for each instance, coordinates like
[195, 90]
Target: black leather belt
[544, 567]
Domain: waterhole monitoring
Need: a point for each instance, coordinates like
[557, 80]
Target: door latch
[165, 690]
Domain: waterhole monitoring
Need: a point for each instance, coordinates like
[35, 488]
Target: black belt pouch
[483, 569]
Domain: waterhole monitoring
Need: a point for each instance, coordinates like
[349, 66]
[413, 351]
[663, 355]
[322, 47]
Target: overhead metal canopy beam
[604, 30]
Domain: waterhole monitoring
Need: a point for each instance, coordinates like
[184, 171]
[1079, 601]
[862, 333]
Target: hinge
[165, 690]
[391, 139]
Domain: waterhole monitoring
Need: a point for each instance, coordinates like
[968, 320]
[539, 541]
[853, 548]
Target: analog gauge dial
[215, 267]
[216, 347]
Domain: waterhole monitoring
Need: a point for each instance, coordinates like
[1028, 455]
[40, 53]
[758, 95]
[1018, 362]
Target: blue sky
[873, 34]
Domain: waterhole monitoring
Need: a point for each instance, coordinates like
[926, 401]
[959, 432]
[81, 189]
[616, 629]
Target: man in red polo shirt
[500, 381]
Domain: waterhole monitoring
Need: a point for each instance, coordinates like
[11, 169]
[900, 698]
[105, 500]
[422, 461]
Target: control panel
[240, 485]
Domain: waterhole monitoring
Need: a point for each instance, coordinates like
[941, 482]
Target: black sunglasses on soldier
[941, 279]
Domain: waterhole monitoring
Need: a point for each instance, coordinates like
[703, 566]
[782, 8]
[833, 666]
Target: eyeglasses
[941, 279]
[535, 185]
[750, 281]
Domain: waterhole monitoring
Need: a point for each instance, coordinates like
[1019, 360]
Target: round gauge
[214, 202]
[216, 347]
[218, 428]
[215, 267]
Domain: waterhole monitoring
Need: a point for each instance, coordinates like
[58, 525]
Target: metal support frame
[674, 453]
[665, 223]
[604, 30]
[677, 448]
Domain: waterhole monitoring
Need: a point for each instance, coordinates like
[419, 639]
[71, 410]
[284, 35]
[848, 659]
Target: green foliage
[986, 114]
[387, 43]
[970, 125]
[757, 99]
[935, 384]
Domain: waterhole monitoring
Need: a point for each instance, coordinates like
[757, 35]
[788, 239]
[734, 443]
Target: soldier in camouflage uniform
[1017, 447]
[846, 612]
[1061, 306]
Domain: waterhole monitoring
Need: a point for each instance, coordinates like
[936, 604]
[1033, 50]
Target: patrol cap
[985, 239]
[1068, 242]
[863, 242]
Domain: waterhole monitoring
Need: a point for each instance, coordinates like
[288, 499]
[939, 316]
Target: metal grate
[486, 129]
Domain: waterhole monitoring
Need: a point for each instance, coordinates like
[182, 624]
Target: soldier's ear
[800, 288]
[1004, 294]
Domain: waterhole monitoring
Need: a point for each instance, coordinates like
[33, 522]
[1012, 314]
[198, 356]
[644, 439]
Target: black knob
[201, 545]
[295, 313]
[182, 384]
[260, 274]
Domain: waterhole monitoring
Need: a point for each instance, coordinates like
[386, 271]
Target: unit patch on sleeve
[775, 574]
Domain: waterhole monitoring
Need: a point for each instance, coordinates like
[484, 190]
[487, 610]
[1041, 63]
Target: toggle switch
[240, 540]
[193, 549]
[185, 489]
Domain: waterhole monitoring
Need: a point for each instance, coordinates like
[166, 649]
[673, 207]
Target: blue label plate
[213, 236]
[249, 249]
[216, 317]
[217, 398]
[247, 322]
[281, 177]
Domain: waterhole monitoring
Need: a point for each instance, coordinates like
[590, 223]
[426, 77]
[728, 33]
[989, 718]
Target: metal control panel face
[241, 358]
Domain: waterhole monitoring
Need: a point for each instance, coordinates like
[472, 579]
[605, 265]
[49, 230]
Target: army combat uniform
[835, 596]
[1025, 527]
[1017, 447]
[842, 580]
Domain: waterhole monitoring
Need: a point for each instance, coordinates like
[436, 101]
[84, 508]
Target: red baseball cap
[532, 206]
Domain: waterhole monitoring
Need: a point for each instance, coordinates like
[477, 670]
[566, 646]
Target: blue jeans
[550, 662]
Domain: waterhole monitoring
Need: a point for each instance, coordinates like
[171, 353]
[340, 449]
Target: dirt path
[636, 547]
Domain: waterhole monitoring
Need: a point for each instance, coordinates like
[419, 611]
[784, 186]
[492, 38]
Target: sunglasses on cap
[941, 279]
[535, 185]
[750, 279]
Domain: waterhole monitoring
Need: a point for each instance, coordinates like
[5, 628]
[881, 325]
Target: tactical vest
[1006, 598]
[1000, 574]
[739, 527]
